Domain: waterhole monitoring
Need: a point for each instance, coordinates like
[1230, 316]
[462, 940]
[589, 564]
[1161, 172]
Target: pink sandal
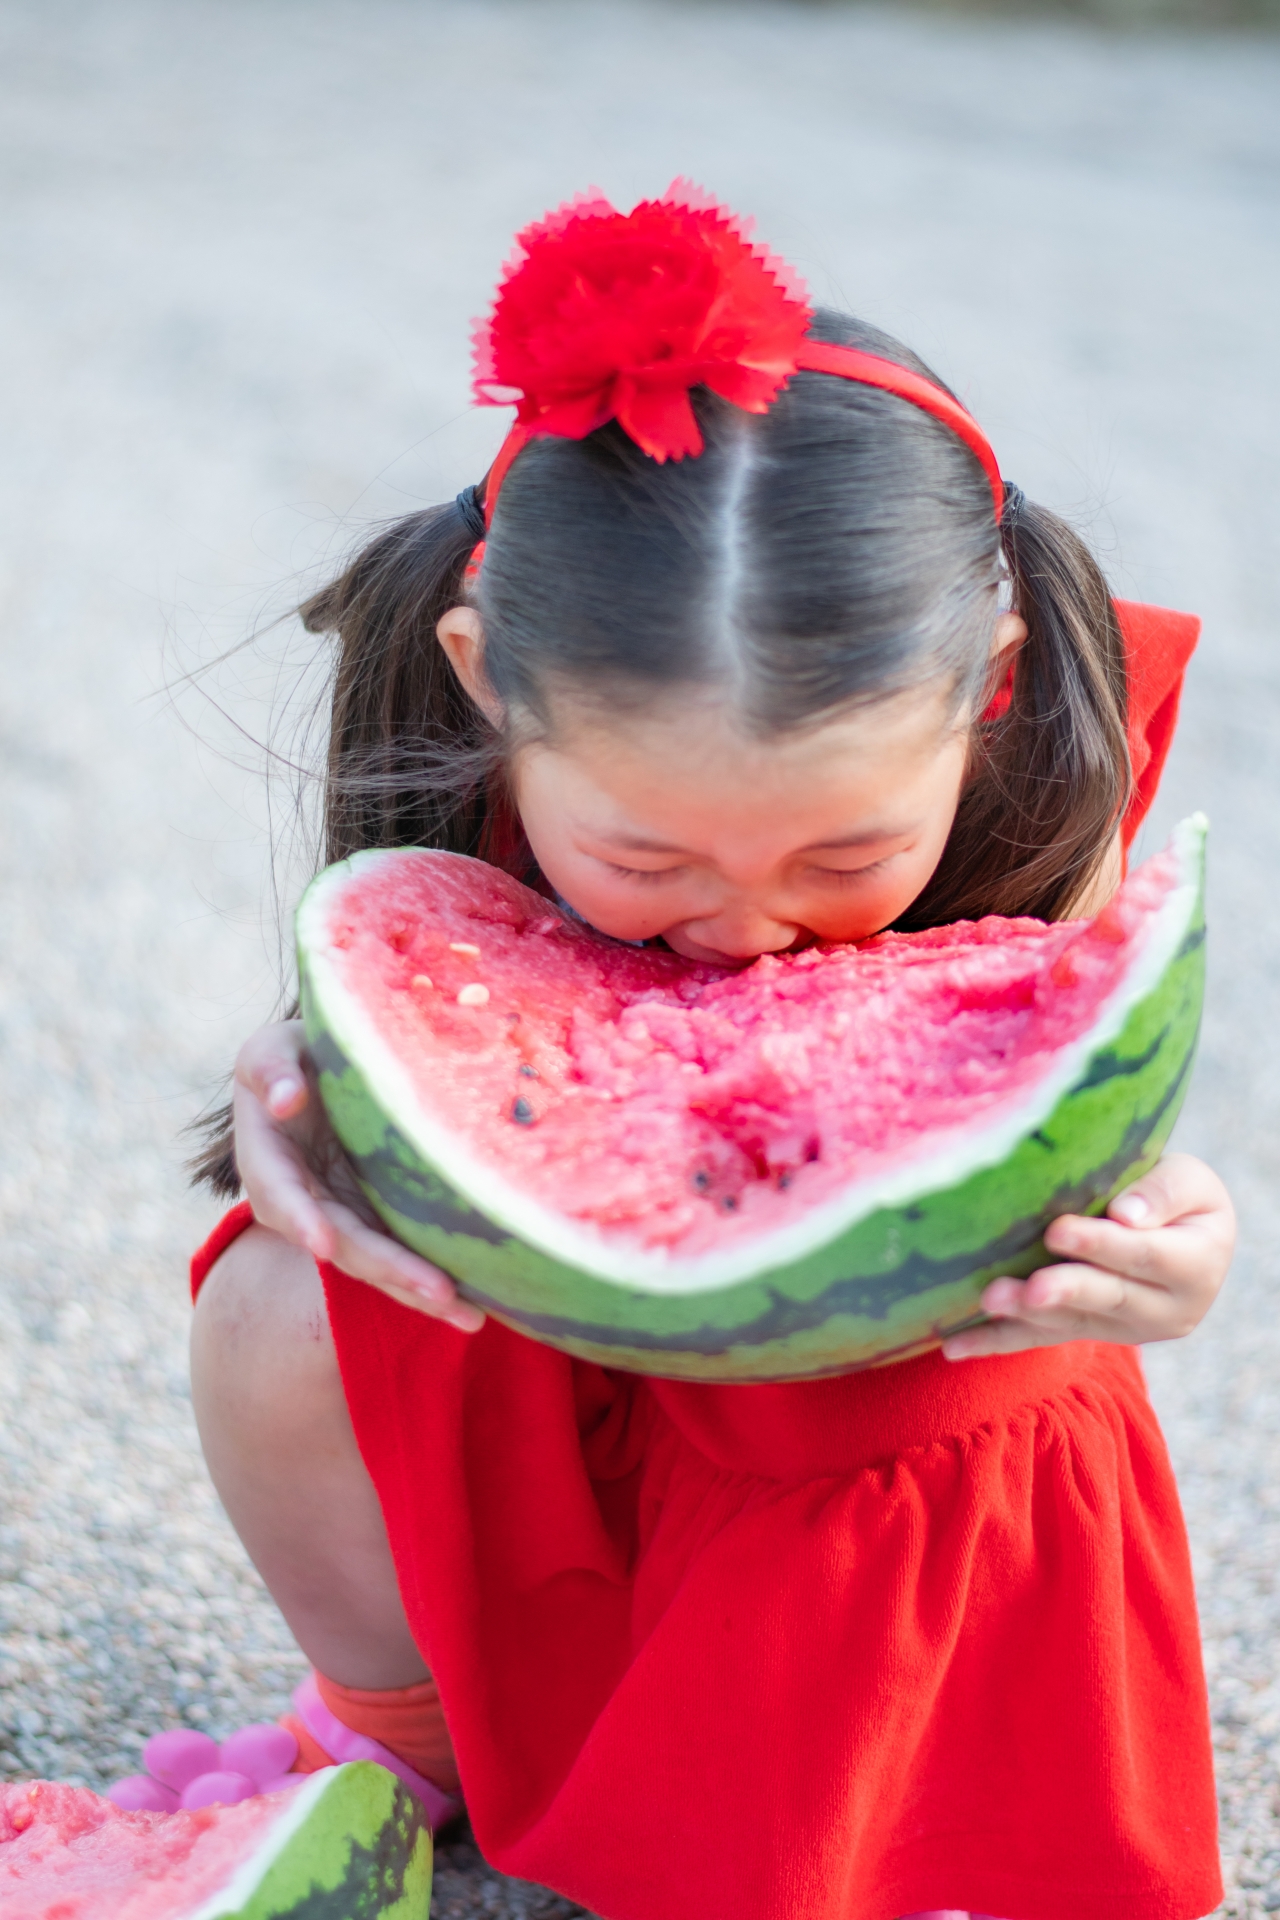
[186, 1769]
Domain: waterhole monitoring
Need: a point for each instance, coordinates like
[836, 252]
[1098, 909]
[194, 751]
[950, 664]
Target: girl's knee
[261, 1321]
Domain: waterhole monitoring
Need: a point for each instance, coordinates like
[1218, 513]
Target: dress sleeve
[229, 1228]
[1158, 645]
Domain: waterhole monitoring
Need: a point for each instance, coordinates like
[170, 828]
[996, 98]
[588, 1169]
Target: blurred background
[241, 244]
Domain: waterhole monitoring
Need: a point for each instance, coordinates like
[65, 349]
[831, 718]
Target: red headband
[609, 316]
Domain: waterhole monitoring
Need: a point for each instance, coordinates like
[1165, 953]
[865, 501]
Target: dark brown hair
[833, 551]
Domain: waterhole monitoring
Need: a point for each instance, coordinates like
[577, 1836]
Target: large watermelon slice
[351, 1843]
[793, 1169]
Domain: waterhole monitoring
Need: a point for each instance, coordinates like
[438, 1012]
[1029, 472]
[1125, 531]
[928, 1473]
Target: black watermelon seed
[784, 1181]
[730, 1203]
[522, 1112]
[530, 1073]
[701, 1180]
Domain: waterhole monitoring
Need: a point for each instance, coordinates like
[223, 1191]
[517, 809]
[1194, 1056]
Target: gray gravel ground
[241, 243]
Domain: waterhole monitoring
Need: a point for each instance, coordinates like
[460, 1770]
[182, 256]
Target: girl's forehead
[693, 728]
[673, 772]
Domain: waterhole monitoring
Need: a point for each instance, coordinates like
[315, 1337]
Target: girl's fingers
[1179, 1262]
[271, 1066]
[999, 1336]
[278, 1164]
[1169, 1257]
[1176, 1187]
[278, 1181]
[1063, 1303]
[286, 1196]
[372, 1256]
[1172, 1278]
[1178, 1192]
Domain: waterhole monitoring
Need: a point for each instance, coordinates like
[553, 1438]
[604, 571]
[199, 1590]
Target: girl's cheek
[613, 904]
[862, 911]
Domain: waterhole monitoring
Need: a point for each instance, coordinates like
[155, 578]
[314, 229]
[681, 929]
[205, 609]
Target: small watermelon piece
[350, 1843]
[806, 1165]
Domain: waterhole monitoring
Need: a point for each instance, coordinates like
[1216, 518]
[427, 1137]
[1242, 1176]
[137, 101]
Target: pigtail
[1050, 776]
[411, 761]
[410, 757]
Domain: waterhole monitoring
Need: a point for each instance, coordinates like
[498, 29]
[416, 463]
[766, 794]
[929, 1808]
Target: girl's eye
[844, 877]
[644, 873]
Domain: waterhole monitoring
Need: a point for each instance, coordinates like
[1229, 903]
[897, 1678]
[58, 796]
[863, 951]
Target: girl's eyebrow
[633, 842]
[863, 837]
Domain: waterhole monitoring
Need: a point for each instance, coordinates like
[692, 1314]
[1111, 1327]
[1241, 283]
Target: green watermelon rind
[906, 1264]
[352, 1844]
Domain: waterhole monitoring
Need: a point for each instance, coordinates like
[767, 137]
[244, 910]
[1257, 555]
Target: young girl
[742, 645]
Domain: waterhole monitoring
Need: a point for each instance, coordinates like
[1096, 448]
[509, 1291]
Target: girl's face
[668, 823]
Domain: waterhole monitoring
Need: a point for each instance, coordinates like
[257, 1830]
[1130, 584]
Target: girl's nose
[743, 934]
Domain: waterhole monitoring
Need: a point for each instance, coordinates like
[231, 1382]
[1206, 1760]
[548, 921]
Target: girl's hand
[1149, 1270]
[300, 1185]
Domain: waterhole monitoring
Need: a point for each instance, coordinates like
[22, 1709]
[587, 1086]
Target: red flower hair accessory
[604, 316]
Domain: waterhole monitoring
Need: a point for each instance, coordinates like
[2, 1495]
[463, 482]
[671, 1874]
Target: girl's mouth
[735, 962]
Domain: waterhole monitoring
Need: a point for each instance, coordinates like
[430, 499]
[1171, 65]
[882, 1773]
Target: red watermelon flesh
[683, 1107]
[66, 1854]
[348, 1840]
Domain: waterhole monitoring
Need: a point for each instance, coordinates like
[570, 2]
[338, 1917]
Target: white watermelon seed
[473, 995]
[423, 981]
[464, 946]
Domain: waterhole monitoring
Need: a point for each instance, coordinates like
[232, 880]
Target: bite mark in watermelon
[350, 1843]
[796, 1168]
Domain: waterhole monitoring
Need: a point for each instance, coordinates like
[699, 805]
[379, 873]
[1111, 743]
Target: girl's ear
[461, 635]
[1011, 631]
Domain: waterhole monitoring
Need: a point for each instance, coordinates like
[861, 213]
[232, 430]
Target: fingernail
[1131, 1207]
[283, 1093]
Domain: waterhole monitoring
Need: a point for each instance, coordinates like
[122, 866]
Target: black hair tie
[1014, 501]
[469, 506]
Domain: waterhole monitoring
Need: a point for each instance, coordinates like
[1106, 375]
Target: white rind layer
[959, 1152]
[248, 1876]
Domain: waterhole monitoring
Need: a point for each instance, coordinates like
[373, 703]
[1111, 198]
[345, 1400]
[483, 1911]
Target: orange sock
[408, 1720]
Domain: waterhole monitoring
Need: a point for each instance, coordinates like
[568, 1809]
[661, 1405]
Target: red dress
[841, 1650]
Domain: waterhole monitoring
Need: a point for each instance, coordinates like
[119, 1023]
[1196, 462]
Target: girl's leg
[277, 1437]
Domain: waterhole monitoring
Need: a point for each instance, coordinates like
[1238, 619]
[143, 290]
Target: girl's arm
[298, 1183]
